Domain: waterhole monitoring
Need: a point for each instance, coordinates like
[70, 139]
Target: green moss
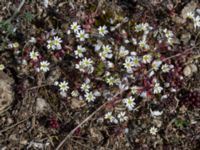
[100, 69]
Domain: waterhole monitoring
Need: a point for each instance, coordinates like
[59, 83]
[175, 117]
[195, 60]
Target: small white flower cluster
[80, 33]
[130, 62]
[85, 87]
[166, 67]
[121, 117]
[54, 44]
[195, 19]
[13, 45]
[169, 35]
[85, 65]
[63, 87]
[145, 27]
[112, 80]
[156, 65]
[157, 88]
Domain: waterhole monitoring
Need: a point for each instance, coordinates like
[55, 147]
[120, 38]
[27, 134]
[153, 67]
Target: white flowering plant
[107, 66]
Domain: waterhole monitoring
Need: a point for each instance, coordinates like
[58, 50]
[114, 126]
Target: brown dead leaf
[96, 135]
[75, 103]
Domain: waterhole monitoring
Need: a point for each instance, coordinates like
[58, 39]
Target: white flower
[166, 67]
[143, 44]
[106, 48]
[85, 87]
[126, 41]
[142, 27]
[136, 61]
[63, 86]
[44, 66]
[110, 117]
[110, 64]
[63, 94]
[123, 52]
[51, 45]
[170, 41]
[156, 113]
[32, 40]
[134, 41]
[55, 43]
[102, 30]
[153, 130]
[169, 35]
[156, 64]
[34, 55]
[129, 102]
[111, 80]
[131, 61]
[196, 22]
[75, 27]
[190, 15]
[80, 50]
[144, 94]
[147, 58]
[89, 96]
[106, 53]
[97, 47]
[82, 35]
[134, 89]
[122, 116]
[128, 64]
[157, 88]
[46, 3]
[2, 67]
[13, 45]
[85, 65]
[56, 83]
[97, 93]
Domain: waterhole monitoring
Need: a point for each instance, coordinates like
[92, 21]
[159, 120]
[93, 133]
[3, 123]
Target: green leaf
[180, 123]
[29, 16]
[100, 69]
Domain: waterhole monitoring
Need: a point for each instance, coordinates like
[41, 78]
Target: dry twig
[88, 118]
